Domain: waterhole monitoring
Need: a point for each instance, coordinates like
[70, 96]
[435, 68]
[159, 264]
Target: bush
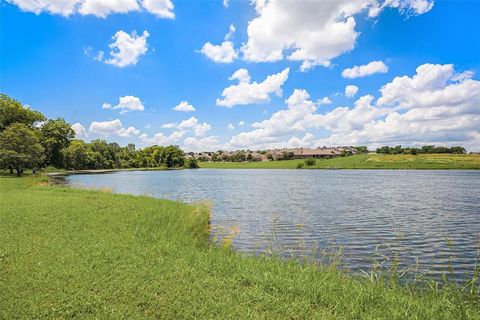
[310, 161]
[300, 165]
[192, 163]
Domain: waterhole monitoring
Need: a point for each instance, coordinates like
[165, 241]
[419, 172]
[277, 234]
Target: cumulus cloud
[241, 123]
[184, 106]
[114, 127]
[365, 70]
[435, 106]
[161, 139]
[224, 52]
[126, 49]
[160, 8]
[99, 8]
[80, 130]
[247, 92]
[192, 124]
[324, 100]
[170, 125]
[201, 144]
[202, 128]
[313, 32]
[126, 104]
[103, 8]
[351, 90]
[231, 126]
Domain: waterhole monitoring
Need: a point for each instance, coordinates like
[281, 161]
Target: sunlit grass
[69, 253]
[365, 161]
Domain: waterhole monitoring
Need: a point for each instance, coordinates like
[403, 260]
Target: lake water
[372, 214]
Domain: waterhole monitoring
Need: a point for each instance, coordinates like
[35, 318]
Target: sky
[210, 75]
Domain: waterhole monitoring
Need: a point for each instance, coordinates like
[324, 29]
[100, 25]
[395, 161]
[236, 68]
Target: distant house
[257, 156]
[304, 153]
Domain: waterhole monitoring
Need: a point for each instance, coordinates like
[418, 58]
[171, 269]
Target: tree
[174, 157]
[57, 135]
[20, 147]
[192, 163]
[361, 149]
[77, 155]
[12, 111]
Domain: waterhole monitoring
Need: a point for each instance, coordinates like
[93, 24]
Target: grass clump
[69, 253]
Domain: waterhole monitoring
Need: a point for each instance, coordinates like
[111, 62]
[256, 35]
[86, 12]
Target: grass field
[365, 161]
[69, 253]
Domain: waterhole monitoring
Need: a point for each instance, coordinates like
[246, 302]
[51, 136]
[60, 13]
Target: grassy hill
[365, 161]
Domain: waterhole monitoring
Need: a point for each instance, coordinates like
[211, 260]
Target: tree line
[421, 150]
[28, 140]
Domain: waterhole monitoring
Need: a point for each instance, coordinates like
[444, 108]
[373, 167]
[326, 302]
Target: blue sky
[51, 59]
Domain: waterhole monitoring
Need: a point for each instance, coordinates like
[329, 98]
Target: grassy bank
[365, 161]
[79, 253]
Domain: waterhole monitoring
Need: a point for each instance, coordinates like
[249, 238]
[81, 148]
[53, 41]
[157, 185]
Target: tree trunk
[10, 167]
[19, 171]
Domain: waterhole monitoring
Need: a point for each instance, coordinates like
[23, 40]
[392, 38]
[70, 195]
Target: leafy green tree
[174, 157]
[12, 111]
[57, 135]
[77, 155]
[361, 149]
[192, 163]
[20, 148]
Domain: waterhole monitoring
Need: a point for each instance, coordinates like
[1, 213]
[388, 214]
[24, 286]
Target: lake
[429, 219]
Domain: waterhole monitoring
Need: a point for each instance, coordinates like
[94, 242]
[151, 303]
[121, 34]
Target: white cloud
[80, 130]
[114, 127]
[435, 106]
[365, 70]
[160, 8]
[314, 32]
[126, 104]
[324, 100]
[184, 106]
[128, 132]
[99, 8]
[223, 53]
[126, 49]
[192, 124]
[351, 90]
[103, 8]
[306, 141]
[170, 125]
[201, 144]
[202, 128]
[188, 123]
[247, 92]
[241, 123]
[226, 3]
[64, 8]
[231, 126]
[106, 127]
[161, 139]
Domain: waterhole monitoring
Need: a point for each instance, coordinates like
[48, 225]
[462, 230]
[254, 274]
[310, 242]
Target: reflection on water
[368, 213]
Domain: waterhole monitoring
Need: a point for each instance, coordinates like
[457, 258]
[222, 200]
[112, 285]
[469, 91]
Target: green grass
[69, 253]
[365, 161]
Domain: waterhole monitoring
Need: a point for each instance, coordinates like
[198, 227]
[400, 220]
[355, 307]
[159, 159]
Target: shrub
[192, 163]
[300, 165]
[310, 161]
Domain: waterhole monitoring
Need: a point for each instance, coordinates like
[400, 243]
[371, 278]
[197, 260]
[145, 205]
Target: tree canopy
[12, 111]
[20, 147]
